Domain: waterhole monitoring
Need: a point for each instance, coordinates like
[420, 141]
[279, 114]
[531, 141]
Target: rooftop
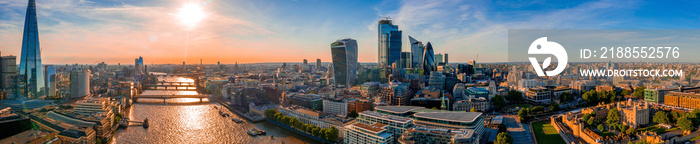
[308, 112]
[398, 109]
[450, 116]
[390, 117]
[375, 128]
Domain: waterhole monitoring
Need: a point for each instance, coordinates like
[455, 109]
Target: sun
[190, 14]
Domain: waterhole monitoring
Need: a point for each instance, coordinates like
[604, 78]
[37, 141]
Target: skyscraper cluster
[389, 43]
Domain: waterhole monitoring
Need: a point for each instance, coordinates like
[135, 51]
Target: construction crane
[386, 18]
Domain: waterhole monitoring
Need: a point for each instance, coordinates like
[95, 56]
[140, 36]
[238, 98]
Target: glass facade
[428, 60]
[417, 49]
[344, 55]
[31, 72]
[389, 43]
[50, 83]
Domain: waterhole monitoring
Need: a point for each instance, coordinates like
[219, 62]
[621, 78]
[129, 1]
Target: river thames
[189, 121]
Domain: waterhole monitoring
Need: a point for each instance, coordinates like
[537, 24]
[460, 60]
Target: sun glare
[190, 14]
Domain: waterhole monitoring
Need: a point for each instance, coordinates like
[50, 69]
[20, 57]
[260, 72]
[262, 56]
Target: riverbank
[240, 113]
[318, 139]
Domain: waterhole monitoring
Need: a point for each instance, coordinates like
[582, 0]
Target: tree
[270, 113]
[353, 113]
[309, 128]
[537, 109]
[591, 97]
[554, 107]
[626, 92]
[503, 138]
[591, 121]
[613, 116]
[522, 114]
[630, 131]
[502, 128]
[566, 97]
[661, 118]
[622, 128]
[694, 116]
[498, 102]
[586, 117]
[601, 127]
[322, 133]
[639, 92]
[675, 115]
[473, 109]
[333, 134]
[514, 96]
[685, 124]
[316, 131]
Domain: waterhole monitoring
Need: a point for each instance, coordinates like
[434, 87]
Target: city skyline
[155, 29]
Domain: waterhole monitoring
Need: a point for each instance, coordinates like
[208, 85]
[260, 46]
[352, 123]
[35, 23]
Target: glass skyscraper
[50, 82]
[344, 53]
[30, 69]
[389, 43]
[428, 60]
[416, 52]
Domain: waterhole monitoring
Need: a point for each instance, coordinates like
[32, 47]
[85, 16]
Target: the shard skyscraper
[31, 80]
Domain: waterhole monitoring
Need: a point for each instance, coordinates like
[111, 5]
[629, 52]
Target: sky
[243, 31]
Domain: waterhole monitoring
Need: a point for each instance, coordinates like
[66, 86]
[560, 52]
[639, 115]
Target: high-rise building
[445, 60]
[30, 69]
[405, 60]
[389, 43]
[344, 53]
[138, 66]
[8, 75]
[8, 67]
[50, 83]
[428, 60]
[79, 83]
[306, 62]
[417, 49]
[318, 64]
[438, 58]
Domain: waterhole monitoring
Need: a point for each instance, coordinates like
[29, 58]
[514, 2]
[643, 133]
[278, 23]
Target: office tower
[50, 83]
[417, 49]
[389, 43]
[8, 77]
[318, 64]
[405, 60]
[428, 60]
[344, 53]
[438, 58]
[138, 66]
[30, 70]
[306, 62]
[445, 59]
[79, 83]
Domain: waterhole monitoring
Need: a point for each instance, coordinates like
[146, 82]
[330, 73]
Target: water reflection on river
[189, 121]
